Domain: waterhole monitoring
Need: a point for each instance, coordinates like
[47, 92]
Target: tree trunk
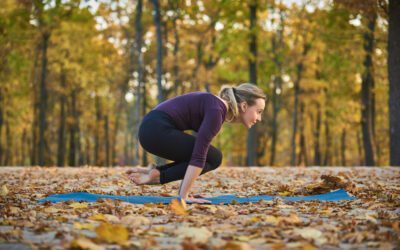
[35, 76]
[144, 105]
[9, 142]
[43, 102]
[114, 160]
[366, 93]
[327, 159]
[303, 146]
[199, 56]
[61, 129]
[24, 148]
[359, 149]
[274, 131]
[107, 142]
[343, 147]
[299, 73]
[276, 100]
[394, 81]
[96, 159]
[176, 60]
[157, 22]
[87, 151]
[252, 132]
[317, 132]
[1, 123]
[138, 27]
[73, 131]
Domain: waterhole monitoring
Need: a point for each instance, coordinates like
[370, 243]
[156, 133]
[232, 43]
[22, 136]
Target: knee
[217, 159]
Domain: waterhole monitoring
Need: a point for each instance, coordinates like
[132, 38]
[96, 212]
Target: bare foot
[138, 170]
[152, 177]
[141, 169]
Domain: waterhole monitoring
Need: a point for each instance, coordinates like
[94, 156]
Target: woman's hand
[196, 200]
[197, 196]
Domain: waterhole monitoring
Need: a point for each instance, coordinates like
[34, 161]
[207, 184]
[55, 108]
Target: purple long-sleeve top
[199, 111]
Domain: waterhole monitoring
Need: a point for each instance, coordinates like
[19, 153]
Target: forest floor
[371, 221]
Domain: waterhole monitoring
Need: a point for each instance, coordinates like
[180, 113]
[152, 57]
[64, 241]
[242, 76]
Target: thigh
[176, 145]
[172, 144]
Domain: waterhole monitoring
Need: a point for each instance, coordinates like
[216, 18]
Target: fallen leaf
[270, 219]
[15, 210]
[4, 190]
[88, 226]
[112, 218]
[112, 233]
[84, 243]
[134, 221]
[98, 217]
[178, 206]
[311, 233]
[51, 210]
[77, 205]
[284, 193]
[200, 235]
[224, 213]
[234, 245]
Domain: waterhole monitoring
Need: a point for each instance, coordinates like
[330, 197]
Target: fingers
[194, 200]
[199, 196]
[196, 196]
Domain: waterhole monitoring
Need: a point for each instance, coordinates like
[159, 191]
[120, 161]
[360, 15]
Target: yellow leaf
[76, 205]
[98, 217]
[78, 225]
[178, 206]
[285, 193]
[271, 219]
[254, 219]
[112, 233]
[51, 210]
[112, 218]
[84, 243]
[242, 238]
[4, 190]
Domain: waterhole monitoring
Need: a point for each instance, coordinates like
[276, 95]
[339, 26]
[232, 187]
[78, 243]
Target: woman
[161, 133]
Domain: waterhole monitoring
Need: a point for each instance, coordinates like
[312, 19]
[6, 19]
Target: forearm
[191, 175]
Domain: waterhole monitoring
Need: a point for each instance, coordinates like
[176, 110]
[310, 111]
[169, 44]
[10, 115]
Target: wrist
[183, 196]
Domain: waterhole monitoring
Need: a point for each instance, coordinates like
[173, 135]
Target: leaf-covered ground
[371, 221]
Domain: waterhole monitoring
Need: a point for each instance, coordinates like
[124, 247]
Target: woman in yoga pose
[161, 133]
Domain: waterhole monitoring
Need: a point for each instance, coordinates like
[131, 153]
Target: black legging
[159, 136]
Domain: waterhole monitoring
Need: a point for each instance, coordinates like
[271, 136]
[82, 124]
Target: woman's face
[250, 115]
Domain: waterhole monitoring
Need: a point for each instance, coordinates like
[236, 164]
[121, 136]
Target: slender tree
[252, 133]
[159, 70]
[366, 92]
[394, 81]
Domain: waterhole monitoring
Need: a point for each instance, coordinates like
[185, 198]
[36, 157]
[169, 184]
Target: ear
[243, 106]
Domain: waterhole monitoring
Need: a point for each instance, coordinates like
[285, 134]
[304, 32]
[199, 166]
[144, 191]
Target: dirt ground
[372, 221]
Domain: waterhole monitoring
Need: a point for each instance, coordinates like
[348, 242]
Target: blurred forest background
[76, 77]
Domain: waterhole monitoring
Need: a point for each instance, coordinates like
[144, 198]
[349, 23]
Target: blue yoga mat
[338, 195]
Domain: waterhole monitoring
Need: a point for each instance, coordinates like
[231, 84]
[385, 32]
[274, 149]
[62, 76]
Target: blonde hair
[245, 92]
